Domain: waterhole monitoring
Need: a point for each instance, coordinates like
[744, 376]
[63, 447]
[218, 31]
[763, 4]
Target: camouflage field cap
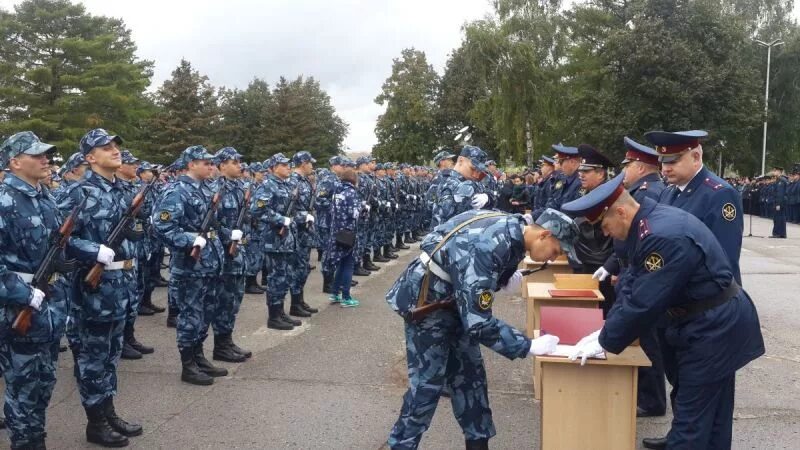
[279, 158]
[301, 157]
[97, 138]
[227, 154]
[194, 153]
[476, 155]
[75, 160]
[24, 142]
[563, 229]
[128, 158]
[442, 155]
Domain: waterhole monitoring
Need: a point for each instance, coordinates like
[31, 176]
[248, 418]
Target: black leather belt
[695, 308]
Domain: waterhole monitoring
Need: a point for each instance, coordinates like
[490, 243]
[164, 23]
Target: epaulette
[644, 229]
[714, 185]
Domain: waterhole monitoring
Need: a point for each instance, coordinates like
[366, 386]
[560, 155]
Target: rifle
[208, 220]
[119, 233]
[288, 213]
[417, 314]
[50, 264]
[240, 220]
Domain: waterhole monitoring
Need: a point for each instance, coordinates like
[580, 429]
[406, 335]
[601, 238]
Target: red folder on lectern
[570, 324]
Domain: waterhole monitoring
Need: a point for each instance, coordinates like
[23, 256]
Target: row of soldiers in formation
[775, 196]
[668, 252]
[85, 257]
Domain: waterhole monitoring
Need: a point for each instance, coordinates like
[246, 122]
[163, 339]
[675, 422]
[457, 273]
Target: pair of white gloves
[200, 241]
[479, 201]
[588, 347]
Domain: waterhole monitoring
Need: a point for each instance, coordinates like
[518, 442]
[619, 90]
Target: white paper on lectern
[566, 350]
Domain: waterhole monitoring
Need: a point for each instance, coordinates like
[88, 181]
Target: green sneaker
[335, 298]
[350, 302]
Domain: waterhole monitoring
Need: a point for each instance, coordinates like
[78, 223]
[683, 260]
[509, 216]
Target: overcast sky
[347, 45]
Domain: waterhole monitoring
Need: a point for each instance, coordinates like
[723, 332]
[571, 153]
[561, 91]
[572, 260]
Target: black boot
[305, 305]
[251, 286]
[2, 422]
[205, 365]
[224, 351]
[319, 255]
[327, 283]
[145, 310]
[246, 353]
[353, 283]
[388, 253]
[130, 339]
[368, 264]
[360, 271]
[296, 309]
[161, 282]
[148, 301]
[275, 321]
[128, 352]
[477, 444]
[98, 431]
[656, 443]
[377, 257]
[117, 423]
[190, 373]
[409, 238]
[285, 317]
[172, 317]
[400, 244]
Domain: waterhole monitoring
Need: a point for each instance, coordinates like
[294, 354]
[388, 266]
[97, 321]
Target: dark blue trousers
[652, 389]
[779, 223]
[703, 416]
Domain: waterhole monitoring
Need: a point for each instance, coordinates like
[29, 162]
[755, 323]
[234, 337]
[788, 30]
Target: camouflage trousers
[97, 357]
[440, 352]
[278, 267]
[133, 306]
[29, 370]
[197, 301]
[253, 257]
[299, 262]
[230, 299]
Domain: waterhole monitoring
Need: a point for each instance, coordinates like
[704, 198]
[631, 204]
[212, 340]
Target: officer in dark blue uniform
[781, 202]
[678, 270]
[568, 186]
[642, 180]
[545, 187]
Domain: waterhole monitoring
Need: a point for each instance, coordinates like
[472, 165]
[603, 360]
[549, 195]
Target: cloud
[348, 45]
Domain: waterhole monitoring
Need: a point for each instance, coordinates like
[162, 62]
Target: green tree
[246, 116]
[188, 114]
[64, 71]
[406, 131]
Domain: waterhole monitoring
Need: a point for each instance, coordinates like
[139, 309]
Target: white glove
[366, 207]
[479, 201]
[585, 351]
[514, 284]
[592, 337]
[236, 235]
[37, 297]
[414, 197]
[777, 207]
[528, 219]
[199, 241]
[600, 274]
[105, 255]
[543, 345]
[287, 221]
[310, 218]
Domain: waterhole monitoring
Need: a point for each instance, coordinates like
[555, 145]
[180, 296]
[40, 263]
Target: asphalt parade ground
[337, 382]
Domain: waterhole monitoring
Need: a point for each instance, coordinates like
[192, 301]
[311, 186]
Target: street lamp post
[769, 46]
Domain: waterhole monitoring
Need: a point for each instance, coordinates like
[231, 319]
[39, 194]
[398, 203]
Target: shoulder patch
[260, 203]
[653, 262]
[559, 184]
[485, 300]
[713, 184]
[164, 216]
[728, 212]
[644, 229]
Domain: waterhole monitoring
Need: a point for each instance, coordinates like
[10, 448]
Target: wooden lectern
[591, 406]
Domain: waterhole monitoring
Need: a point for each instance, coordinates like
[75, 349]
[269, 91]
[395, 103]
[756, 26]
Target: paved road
[337, 382]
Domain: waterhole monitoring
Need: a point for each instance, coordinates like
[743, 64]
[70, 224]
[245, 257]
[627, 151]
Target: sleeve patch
[485, 300]
[728, 212]
[260, 204]
[164, 216]
[653, 262]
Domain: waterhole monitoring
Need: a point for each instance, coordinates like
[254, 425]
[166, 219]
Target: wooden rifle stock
[195, 253]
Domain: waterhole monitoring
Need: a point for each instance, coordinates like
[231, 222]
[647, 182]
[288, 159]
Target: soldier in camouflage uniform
[232, 291]
[442, 347]
[326, 184]
[254, 251]
[346, 213]
[71, 172]
[367, 190]
[131, 347]
[100, 314]
[151, 269]
[28, 215]
[179, 169]
[274, 206]
[461, 190]
[303, 164]
[177, 219]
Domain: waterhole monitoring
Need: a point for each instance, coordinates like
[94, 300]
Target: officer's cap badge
[728, 212]
[653, 262]
[485, 300]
